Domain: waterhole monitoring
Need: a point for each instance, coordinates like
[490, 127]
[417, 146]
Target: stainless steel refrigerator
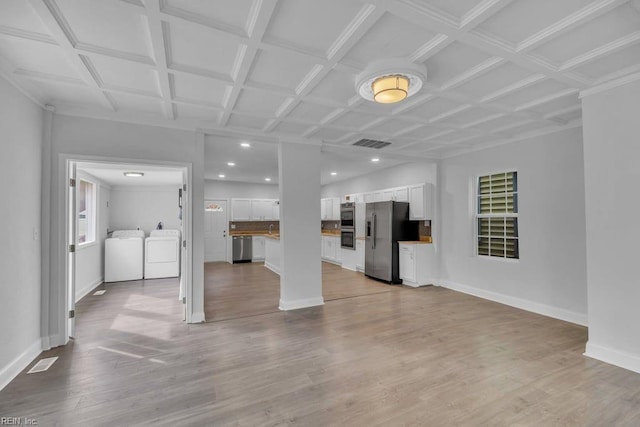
[386, 224]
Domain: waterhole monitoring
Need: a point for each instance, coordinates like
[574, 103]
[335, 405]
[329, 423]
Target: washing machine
[162, 254]
[124, 256]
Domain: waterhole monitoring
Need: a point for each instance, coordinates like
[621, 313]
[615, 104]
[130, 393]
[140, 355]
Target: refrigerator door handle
[375, 226]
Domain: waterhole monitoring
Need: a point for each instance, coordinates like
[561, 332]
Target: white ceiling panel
[291, 128]
[221, 13]
[469, 116]
[390, 37]
[533, 92]
[618, 23]
[251, 164]
[457, 8]
[612, 63]
[268, 69]
[494, 80]
[311, 24]
[310, 112]
[328, 134]
[240, 121]
[19, 14]
[433, 108]
[557, 104]
[137, 104]
[353, 120]
[125, 74]
[452, 61]
[259, 102]
[390, 126]
[238, 65]
[107, 24]
[523, 18]
[338, 87]
[37, 57]
[198, 47]
[196, 113]
[57, 94]
[199, 89]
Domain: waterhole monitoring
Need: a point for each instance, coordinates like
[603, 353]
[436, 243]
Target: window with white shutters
[497, 215]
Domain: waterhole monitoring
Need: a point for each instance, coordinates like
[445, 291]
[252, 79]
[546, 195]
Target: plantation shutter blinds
[497, 215]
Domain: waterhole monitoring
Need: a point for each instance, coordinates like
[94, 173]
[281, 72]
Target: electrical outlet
[36, 233]
[233, 226]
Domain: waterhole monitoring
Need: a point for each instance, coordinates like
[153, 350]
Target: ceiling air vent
[371, 143]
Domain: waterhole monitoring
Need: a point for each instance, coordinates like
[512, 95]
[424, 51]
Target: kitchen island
[272, 252]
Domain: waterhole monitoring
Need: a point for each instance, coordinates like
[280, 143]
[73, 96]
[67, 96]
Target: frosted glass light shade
[390, 89]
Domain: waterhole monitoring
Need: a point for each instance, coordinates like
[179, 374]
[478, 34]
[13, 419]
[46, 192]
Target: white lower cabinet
[331, 249]
[257, 248]
[359, 255]
[417, 264]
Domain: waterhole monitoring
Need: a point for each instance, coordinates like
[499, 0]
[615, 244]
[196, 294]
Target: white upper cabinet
[401, 194]
[387, 196]
[241, 209]
[330, 209]
[420, 201]
[255, 210]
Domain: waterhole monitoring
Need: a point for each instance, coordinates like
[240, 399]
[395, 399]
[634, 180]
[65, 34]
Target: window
[86, 204]
[497, 215]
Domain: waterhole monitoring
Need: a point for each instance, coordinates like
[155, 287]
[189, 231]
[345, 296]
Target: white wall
[550, 276]
[241, 190]
[612, 178]
[90, 258]
[83, 139]
[144, 207]
[396, 176]
[21, 127]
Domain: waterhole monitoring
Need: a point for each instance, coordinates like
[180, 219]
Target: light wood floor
[249, 289]
[424, 357]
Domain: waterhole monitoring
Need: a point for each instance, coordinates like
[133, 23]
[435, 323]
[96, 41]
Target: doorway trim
[58, 294]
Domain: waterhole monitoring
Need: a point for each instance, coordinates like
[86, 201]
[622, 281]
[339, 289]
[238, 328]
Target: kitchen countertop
[331, 233]
[250, 233]
[272, 236]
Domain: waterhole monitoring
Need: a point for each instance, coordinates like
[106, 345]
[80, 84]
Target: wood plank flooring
[427, 356]
[249, 289]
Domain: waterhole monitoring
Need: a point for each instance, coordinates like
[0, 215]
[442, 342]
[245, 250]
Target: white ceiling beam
[160, 45]
[259, 18]
[597, 53]
[569, 22]
[52, 18]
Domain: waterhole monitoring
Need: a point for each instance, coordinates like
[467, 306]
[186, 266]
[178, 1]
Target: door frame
[63, 280]
[227, 218]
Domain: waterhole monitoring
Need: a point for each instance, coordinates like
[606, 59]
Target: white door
[72, 243]
[215, 230]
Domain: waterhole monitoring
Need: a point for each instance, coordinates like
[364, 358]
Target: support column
[611, 153]
[300, 240]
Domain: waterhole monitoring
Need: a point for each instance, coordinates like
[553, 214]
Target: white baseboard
[272, 267]
[349, 268]
[9, 372]
[545, 310]
[338, 263]
[88, 288]
[197, 317]
[301, 303]
[613, 357]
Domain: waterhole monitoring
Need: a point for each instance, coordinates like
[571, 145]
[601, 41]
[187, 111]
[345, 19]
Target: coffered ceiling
[498, 70]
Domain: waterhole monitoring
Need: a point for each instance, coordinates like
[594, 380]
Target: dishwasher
[242, 249]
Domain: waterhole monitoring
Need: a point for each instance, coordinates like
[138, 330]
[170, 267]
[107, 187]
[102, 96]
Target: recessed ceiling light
[134, 174]
[375, 160]
[334, 173]
[230, 164]
[245, 145]
[221, 176]
[267, 179]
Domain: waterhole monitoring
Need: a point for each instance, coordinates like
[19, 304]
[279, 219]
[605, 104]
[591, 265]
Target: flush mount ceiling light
[133, 174]
[390, 80]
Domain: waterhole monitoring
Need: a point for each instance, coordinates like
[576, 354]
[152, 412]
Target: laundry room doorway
[128, 263]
